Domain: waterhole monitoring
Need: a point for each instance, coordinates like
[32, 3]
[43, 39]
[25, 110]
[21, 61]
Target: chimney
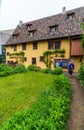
[64, 10]
[20, 23]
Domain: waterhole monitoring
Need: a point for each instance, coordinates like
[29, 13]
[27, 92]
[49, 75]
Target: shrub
[4, 73]
[58, 70]
[62, 84]
[38, 68]
[32, 68]
[19, 69]
[5, 70]
[81, 74]
[46, 70]
[3, 67]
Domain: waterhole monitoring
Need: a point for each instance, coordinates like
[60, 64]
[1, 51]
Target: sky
[13, 11]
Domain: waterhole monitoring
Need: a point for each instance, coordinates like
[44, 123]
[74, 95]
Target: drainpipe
[70, 47]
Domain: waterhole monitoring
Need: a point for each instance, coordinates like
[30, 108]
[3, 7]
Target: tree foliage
[83, 37]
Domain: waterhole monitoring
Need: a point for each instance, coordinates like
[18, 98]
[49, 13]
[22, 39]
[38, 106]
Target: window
[65, 62]
[70, 16]
[53, 28]
[8, 61]
[34, 45]
[8, 53]
[24, 46]
[57, 45]
[28, 26]
[3, 49]
[34, 61]
[41, 59]
[25, 59]
[54, 45]
[50, 45]
[15, 35]
[15, 48]
[31, 34]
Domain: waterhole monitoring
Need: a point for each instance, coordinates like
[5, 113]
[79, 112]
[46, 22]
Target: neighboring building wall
[4, 36]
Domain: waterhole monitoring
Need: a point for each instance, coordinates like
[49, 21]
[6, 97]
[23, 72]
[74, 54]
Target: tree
[83, 37]
[82, 42]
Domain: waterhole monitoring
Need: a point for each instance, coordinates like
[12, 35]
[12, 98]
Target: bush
[62, 85]
[4, 73]
[81, 74]
[19, 69]
[46, 70]
[3, 67]
[32, 68]
[6, 70]
[58, 70]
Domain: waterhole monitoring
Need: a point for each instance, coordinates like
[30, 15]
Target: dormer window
[53, 28]
[31, 34]
[70, 16]
[15, 35]
[28, 26]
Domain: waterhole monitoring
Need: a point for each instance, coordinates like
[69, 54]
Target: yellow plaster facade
[42, 47]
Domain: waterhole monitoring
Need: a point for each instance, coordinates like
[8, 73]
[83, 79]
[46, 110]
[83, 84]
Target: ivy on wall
[50, 55]
[18, 56]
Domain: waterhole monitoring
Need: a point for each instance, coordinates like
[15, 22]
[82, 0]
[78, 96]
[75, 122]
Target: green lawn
[19, 91]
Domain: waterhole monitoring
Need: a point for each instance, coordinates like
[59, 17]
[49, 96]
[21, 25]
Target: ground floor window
[41, 59]
[65, 62]
[25, 59]
[33, 61]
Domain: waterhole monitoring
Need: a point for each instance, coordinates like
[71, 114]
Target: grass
[20, 91]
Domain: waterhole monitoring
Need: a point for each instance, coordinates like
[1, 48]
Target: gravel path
[76, 118]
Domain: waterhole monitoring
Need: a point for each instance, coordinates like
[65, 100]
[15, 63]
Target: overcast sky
[12, 11]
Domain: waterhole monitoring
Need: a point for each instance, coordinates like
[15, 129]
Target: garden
[33, 98]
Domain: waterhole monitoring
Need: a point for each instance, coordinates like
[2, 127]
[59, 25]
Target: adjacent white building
[4, 36]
